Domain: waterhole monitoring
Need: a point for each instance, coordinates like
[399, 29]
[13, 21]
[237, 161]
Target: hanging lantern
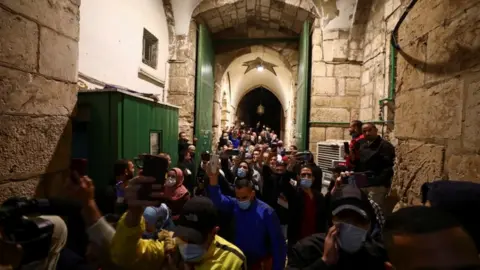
[260, 110]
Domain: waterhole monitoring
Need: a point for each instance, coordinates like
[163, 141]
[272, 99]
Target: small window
[150, 49]
[156, 139]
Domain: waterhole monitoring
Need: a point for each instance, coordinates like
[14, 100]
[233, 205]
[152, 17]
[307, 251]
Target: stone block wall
[182, 79]
[38, 88]
[335, 88]
[437, 94]
[382, 17]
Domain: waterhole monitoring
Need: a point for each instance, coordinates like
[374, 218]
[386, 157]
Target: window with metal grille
[150, 49]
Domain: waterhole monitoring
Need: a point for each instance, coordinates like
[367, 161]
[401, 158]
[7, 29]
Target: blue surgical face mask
[191, 252]
[305, 183]
[241, 172]
[351, 238]
[244, 204]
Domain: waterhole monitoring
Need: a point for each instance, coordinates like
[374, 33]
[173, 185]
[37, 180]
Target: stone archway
[240, 83]
[249, 21]
[273, 115]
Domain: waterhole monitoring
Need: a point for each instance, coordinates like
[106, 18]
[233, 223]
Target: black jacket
[296, 203]
[273, 186]
[378, 158]
[307, 254]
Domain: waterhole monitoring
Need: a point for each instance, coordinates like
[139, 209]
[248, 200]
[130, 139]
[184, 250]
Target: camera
[303, 157]
[33, 234]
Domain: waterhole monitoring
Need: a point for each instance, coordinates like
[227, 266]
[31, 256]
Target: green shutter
[204, 91]
[303, 86]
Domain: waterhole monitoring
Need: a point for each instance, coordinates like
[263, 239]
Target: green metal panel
[101, 150]
[204, 91]
[142, 117]
[119, 127]
[303, 88]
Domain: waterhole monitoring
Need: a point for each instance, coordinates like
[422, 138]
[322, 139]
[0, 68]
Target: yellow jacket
[129, 251]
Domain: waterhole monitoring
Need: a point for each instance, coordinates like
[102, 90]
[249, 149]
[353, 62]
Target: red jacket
[353, 152]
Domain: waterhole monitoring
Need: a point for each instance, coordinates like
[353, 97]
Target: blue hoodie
[257, 230]
[235, 142]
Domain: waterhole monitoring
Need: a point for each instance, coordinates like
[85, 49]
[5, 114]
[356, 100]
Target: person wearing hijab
[175, 193]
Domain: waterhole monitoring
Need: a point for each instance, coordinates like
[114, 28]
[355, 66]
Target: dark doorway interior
[273, 116]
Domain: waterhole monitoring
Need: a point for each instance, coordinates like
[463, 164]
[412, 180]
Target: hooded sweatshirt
[308, 252]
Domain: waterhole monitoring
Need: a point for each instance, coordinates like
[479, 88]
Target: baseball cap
[197, 219]
[349, 197]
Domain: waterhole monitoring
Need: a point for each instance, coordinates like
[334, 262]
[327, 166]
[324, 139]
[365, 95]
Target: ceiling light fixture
[260, 68]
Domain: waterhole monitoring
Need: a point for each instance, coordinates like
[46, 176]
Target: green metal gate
[204, 91]
[303, 85]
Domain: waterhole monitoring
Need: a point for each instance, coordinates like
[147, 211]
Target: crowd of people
[256, 204]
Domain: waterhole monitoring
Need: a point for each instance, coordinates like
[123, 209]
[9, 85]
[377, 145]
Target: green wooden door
[303, 86]
[204, 91]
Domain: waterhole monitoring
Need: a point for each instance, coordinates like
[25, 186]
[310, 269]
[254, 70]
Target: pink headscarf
[179, 190]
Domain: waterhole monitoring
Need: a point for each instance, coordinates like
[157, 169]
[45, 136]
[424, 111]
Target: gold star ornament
[259, 65]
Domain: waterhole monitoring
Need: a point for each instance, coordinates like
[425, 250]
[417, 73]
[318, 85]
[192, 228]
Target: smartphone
[214, 163]
[346, 147]
[152, 166]
[205, 156]
[360, 180]
[232, 152]
[78, 166]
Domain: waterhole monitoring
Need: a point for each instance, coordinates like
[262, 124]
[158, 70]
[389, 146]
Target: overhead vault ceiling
[255, 18]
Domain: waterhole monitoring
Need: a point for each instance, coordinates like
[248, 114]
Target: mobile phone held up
[152, 166]
[79, 165]
[232, 152]
[214, 163]
[78, 168]
[205, 156]
[360, 180]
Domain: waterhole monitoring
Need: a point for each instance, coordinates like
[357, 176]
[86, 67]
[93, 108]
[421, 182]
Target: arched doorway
[273, 116]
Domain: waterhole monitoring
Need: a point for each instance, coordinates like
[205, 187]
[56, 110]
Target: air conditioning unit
[329, 152]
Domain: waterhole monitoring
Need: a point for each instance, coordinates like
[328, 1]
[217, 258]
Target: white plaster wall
[182, 13]
[241, 83]
[111, 33]
[337, 14]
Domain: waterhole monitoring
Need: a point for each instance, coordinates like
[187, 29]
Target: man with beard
[356, 133]
[376, 158]
[182, 142]
[111, 200]
[275, 188]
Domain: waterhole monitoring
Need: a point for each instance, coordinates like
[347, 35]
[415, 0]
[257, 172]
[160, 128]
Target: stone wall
[336, 70]
[181, 90]
[437, 94]
[38, 76]
[382, 16]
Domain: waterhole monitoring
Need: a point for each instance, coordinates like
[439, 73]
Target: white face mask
[351, 238]
[171, 181]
